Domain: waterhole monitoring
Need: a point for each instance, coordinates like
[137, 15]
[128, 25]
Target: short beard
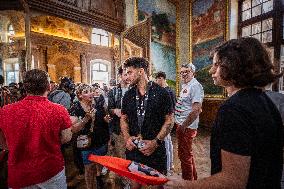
[135, 82]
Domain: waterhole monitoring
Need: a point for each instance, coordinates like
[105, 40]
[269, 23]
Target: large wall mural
[59, 27]
[163, 38]
[208, 31]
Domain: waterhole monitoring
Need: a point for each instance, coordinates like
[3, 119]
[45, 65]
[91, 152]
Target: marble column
[52, 72]
[77, 74]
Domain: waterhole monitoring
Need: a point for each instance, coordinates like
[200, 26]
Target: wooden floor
[201, 155]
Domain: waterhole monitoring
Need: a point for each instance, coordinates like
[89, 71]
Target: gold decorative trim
[190, 31]
[226, 34]
[112, 40]
[177, 47]
[215, 96]
[136, 12]
[227, 24]
[91, 17]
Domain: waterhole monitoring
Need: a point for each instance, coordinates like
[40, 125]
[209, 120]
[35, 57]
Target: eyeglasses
[185, 72]
[185, 65]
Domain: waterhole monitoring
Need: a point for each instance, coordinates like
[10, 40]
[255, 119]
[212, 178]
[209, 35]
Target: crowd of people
[136, 118]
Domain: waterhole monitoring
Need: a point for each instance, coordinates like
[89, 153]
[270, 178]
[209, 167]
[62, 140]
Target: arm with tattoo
[124, 126]
[151, 145]
[166, 128]
[125, 132]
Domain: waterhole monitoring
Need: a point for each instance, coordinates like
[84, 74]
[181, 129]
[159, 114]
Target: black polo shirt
[172, 95]
[249, 124]
[159, 104]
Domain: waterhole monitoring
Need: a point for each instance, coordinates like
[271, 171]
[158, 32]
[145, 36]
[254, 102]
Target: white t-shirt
[190, 93]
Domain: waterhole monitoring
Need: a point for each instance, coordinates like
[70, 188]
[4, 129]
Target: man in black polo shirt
[161, 80]
[114, 106]
[146, 116]
[247, 136]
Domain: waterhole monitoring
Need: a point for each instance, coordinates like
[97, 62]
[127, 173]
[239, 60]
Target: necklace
[141, 105]
[86, 107]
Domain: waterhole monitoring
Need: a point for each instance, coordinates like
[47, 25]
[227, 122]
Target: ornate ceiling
[104, 14]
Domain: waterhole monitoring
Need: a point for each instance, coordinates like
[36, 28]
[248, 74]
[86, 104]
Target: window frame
[105, 63]
[9, 30]
[96, 32]
[277, 14]
[256, 19]
[13, 62]
[10, 33]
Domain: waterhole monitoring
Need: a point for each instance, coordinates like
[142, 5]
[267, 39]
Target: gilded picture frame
[216, 15]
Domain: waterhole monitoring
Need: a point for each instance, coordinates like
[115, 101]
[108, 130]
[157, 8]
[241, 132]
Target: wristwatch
[159, 141]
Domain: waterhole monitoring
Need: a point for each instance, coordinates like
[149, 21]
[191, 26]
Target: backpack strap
[53, 94]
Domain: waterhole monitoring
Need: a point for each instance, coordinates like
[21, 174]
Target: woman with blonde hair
[94, 137]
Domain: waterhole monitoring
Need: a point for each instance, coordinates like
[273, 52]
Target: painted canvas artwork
[208, 31]
[163, 39]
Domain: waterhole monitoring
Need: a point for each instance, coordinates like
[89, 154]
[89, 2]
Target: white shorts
[56, 182]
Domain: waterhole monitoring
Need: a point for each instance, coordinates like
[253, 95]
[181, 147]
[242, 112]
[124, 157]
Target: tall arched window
[11, 70]
[100, 37]
[100, 71]
[10, 33]
[11, 30]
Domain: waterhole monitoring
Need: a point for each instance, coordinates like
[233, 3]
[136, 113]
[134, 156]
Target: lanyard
[141, 106]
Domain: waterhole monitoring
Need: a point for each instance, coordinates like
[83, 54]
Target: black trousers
[157, 160]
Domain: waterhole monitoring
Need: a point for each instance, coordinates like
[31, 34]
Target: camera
[139, 144]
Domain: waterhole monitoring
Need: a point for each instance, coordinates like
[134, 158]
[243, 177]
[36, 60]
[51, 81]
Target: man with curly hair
[146, 116]
[247, 135]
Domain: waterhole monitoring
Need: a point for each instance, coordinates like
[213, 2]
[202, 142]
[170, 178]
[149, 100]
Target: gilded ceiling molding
[84, 13]
[64, 45]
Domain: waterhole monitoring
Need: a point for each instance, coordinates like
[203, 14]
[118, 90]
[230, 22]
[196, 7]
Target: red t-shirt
[32, 129]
